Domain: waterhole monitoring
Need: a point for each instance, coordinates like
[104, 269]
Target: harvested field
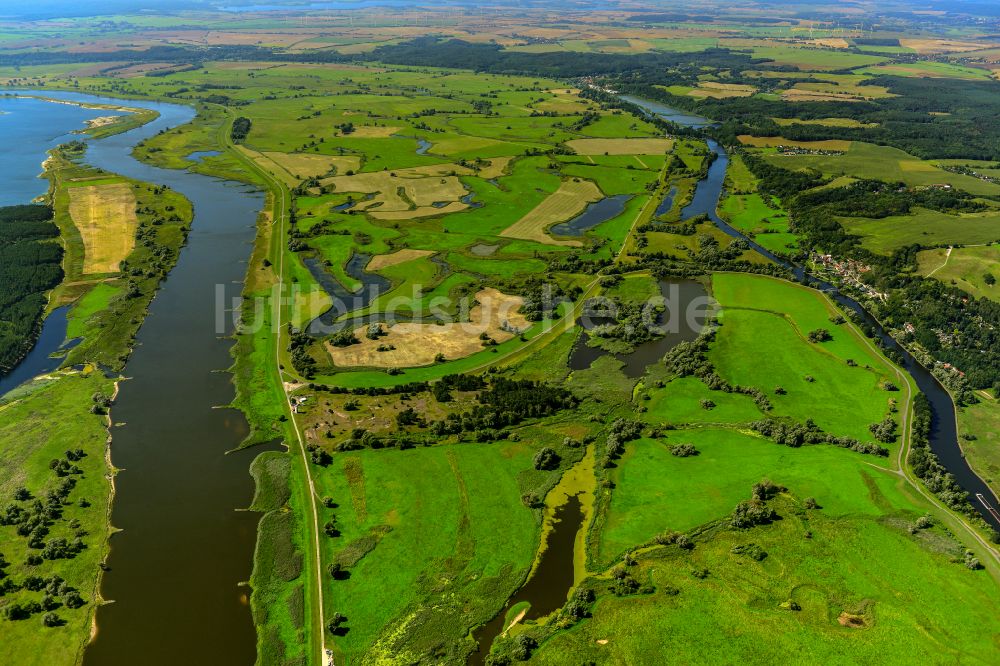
[418, 344]
[826, 122]
[797, 95]
[105, 217]
[419, 211]
[401, 256]
[926, 46]
[397, 196]
[483, 249]
[831, 42]
[621, 146]
[718, 90]
[141, 69]
[493, 168]
[564, 204]
[373, 132]
[840, 145]
[301, 166]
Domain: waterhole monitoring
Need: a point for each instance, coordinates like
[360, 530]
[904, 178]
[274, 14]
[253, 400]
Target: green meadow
[762, 342]
[865, 160]
[926, 227]
[964, 267]
[418, 533]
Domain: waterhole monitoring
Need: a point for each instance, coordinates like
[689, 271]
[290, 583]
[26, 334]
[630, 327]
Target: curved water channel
[175, 570]
[944, 431]
[549, 583]
[28, 128]
[547, 589]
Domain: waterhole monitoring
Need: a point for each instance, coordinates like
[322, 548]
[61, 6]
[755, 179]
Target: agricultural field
[105, 217]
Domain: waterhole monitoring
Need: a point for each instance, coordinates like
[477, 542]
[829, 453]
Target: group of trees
[30, 265]
[507, 402]
[620, 432]
[32, 518]
[688, 359]
[630, 324]
[241, 128]
[792, 434]
[298, 346]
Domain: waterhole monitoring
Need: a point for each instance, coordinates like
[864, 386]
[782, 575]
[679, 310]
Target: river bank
[174, 369]
[100, 319]
[944, 433]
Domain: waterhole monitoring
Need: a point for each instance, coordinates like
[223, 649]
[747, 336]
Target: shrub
[749, 514]
[546, 459]
[820, 335]
[683, 450]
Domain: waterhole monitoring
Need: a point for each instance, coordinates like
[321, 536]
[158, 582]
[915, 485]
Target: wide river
[175, 569]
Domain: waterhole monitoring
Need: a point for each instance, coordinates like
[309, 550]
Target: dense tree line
[490, 57]
[802, 434]
[925, 463]
[30, 265]
[507, 402]
[878, 199]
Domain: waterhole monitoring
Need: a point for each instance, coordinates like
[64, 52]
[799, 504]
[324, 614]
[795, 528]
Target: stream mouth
[547, 590]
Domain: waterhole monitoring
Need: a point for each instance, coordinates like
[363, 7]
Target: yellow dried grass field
[399, 257]
[564, 204]
[839, 145]
[621, 146]
[299, 166]
[418, 344]
[105, 217]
